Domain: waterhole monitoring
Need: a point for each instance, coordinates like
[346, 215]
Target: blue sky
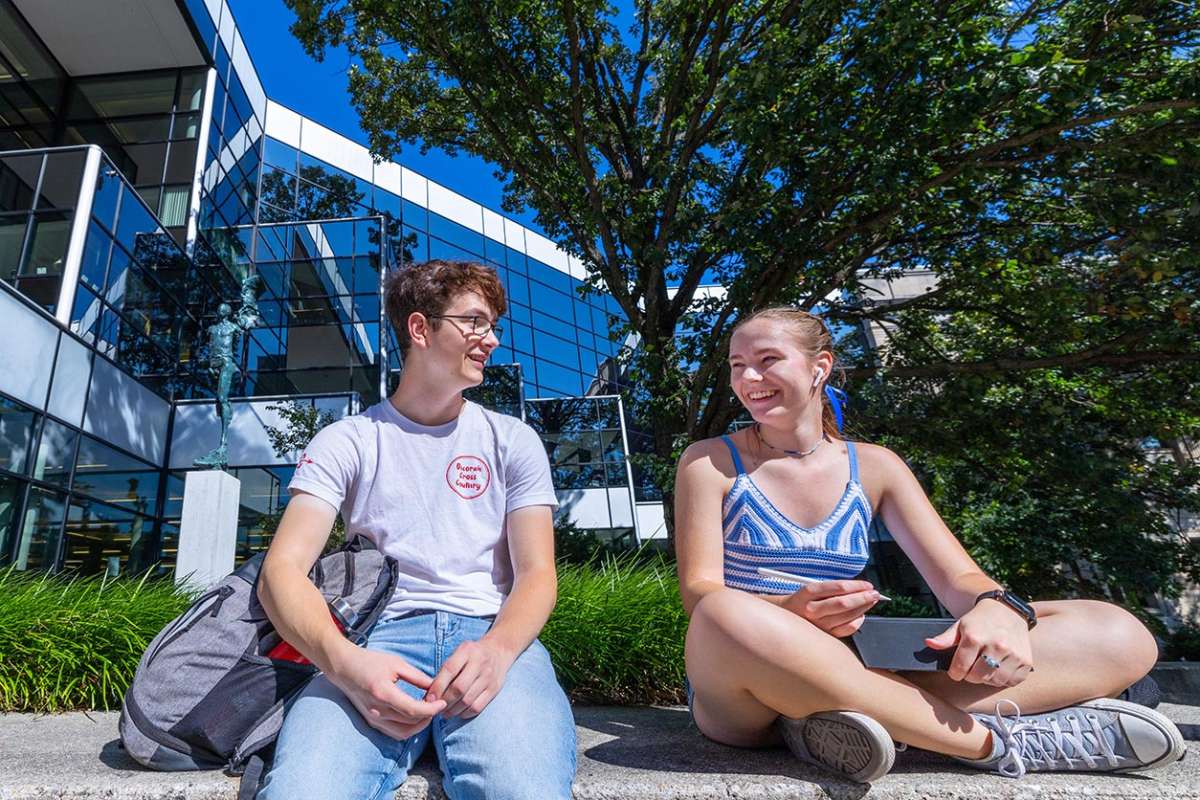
[318, 91]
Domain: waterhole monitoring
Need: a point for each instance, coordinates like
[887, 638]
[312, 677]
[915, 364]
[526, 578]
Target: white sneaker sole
[851, 744]
[1176, 749]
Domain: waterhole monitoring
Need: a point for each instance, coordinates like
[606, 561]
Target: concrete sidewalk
[624, 753]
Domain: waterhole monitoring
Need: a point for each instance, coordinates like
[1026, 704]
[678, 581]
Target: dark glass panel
[18, 180]
[186, 126]
[239, 101]
[11, 493]
[31, 63]
[16, 434]
[41, 525]
[95, 257]
[122, 96]
[104, 540]
[191, 82]
[12, 236]
[115, 477]
[181, 163]
[61, 180]
[56, 453]
[140, 130]
[145, 163]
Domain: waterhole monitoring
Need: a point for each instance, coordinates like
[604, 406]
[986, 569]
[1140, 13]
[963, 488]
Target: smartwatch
[1017, 604]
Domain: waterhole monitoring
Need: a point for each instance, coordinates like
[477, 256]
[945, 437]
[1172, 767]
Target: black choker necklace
[791, 453]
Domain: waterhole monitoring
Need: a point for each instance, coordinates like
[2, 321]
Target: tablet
[898, 643]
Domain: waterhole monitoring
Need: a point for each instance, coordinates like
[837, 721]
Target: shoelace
[1042, 744]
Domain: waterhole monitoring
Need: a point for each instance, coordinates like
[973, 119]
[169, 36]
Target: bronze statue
[224, 338]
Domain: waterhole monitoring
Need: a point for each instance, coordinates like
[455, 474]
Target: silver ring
[990, 662]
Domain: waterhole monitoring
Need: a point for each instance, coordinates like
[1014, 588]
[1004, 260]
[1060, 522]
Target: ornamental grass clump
[616, 635]
[74, 643]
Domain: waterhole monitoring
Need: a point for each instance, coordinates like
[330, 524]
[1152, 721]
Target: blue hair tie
[836, 399]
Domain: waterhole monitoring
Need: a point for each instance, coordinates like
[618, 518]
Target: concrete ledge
[1179, 681]
[624, 753]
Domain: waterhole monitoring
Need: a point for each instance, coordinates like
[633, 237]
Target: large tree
[1040, 157]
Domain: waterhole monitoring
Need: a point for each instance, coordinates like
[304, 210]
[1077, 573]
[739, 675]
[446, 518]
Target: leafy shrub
[903, 606]
[616, 635]
[1184, 644]
[75, 643]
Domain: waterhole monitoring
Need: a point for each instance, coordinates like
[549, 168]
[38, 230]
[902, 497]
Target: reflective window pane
[40, 526]
[100, 539]
[11, 492]
[16, 434]
[56, 453]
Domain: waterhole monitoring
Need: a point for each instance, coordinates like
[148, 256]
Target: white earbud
[817, 378]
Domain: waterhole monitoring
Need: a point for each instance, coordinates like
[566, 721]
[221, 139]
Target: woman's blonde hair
[813, 337]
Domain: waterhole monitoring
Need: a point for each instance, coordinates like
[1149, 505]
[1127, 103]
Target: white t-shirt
[435, 498]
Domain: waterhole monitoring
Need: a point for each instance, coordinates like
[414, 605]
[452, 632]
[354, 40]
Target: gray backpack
[205, 694]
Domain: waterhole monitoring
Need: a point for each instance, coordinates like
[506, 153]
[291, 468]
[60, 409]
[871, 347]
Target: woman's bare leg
[749, 661]
[1082, 649]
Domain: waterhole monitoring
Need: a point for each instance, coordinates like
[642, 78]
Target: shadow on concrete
[113, 754]
[1190, 732]
[665, 740]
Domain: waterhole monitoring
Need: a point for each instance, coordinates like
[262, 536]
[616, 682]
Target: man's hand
[836, 607]
[470, 678]
[368, 679]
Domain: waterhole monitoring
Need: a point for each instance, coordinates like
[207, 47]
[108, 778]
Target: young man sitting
[461, 497]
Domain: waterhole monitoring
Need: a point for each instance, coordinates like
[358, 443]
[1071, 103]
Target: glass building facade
[139, 184]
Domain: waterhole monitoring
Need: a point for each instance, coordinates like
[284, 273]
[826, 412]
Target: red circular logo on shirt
[468, 476]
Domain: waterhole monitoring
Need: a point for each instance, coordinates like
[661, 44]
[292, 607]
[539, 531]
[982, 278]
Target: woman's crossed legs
[749, 661]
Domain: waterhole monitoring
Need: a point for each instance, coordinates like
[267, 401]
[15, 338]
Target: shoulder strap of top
[853, 461]
[737, 461]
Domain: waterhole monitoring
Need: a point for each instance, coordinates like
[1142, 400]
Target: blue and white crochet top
[757, 535]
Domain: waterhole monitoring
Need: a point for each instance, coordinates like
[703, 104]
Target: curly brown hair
[431, 286]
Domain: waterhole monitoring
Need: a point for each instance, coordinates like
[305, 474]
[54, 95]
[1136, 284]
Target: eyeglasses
[480, 326]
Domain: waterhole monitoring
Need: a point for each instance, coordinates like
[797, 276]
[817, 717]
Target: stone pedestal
[208, 530]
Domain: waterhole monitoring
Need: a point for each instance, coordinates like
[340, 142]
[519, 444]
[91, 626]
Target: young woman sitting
[766, 660]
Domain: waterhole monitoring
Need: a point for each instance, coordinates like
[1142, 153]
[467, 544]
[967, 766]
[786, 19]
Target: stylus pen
[797, 579]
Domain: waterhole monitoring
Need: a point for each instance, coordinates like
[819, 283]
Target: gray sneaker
[1097, 736]
[847, 742]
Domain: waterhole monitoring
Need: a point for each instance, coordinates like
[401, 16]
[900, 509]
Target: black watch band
[1014, 602]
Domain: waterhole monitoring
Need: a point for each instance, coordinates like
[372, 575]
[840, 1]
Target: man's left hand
[470, 678]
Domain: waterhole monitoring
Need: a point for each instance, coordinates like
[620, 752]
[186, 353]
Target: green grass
[616, 635]
[74, 644]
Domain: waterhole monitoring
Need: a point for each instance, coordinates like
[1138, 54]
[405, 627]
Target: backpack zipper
[222, 593]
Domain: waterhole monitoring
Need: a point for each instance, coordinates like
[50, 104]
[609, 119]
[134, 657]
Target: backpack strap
[252, 778]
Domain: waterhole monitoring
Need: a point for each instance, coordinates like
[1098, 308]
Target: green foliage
[1038, 161]
[74, 644]
[1184, 644]
[903, 606]
[301, 422]
[616, 635]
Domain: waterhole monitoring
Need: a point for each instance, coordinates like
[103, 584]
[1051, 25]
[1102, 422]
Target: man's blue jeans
[521, 747]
